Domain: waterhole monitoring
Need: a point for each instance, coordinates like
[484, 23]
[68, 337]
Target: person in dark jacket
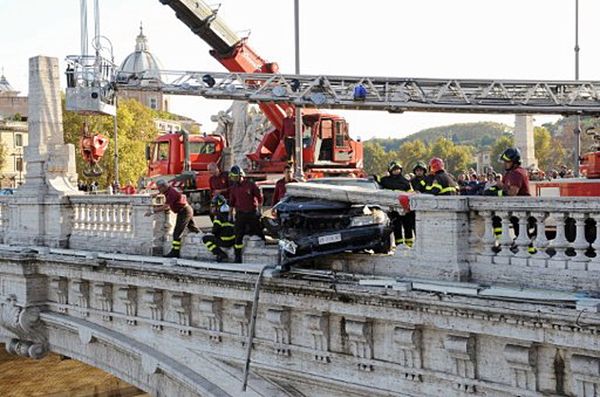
[441, 183]
[222, 235]
[419, 181]
[245, 200]
[403, 225]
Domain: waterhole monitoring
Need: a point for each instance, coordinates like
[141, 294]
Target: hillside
[479, 135]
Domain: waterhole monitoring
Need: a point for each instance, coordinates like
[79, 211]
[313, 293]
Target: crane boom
[230, 50]
[394, 95]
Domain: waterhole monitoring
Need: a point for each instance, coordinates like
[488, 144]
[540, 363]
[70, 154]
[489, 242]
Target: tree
[376, 158]
[135, 129]
[411, 152]
[456, 157]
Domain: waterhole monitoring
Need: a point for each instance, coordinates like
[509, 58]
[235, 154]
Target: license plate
[330, 238]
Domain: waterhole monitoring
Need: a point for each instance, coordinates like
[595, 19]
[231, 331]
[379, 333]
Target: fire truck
[586, 186]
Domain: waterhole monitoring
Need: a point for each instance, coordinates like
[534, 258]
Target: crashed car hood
[307, 204]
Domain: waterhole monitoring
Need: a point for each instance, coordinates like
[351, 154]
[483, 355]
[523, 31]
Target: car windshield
[356, 182]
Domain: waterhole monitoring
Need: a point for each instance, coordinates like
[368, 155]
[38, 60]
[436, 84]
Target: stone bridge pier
[474, 313]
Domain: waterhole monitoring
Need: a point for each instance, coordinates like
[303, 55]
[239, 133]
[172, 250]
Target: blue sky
[520, 39]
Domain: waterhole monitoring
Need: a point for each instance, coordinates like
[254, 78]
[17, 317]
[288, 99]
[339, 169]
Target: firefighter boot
[221, 255]
[174, 253]
[175, 247]
[238, 255]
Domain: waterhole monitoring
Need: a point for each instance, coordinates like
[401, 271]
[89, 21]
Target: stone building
[10, 101]
[14, 138]
[143, 63]
[13, 134]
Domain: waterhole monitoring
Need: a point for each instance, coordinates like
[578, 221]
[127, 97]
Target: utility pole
[299, 160]
[577, 130]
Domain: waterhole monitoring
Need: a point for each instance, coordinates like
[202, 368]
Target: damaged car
[312, 227]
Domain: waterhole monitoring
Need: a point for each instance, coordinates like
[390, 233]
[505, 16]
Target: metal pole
[116, 146]
[299, 158]
[577, 130]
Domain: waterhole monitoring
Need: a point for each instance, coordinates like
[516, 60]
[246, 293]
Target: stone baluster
[119, 222]
[559, 244]
[101, 218]
[540, 258]
[580, 245]
[110, 220]
[506, 240]
[94, 219]
[488, 239]
[76, 217]
[88, 219]
[522, 241]
[594, 264]
[127, 219]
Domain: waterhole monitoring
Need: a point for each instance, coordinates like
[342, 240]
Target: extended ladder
[384, 93]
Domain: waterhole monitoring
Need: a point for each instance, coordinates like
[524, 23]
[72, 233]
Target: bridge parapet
[117, 224]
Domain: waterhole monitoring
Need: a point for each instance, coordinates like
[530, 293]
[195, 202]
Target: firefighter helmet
[219, 200]
[236, 171]
[436, 164]
[421, 165]
[511, 154]
[393, 165]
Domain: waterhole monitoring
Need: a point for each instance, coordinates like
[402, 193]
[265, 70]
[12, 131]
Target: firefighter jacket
[395, 182]
[245, 196]
[442, 184]
[493, 191]
[419, 183]
[223, 231]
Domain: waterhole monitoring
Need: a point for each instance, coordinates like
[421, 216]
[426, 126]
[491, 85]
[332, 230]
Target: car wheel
[385, 246]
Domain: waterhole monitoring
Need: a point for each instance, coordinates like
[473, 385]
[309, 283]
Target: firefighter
[245, 200]
[177, 202]
[222, 235]
[288, 133]
[419, 181]
[440, 183]
[403, 225]
[288, 177]
[515, 181]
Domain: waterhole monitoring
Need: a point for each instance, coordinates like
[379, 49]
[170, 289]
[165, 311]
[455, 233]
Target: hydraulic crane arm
[230, 50]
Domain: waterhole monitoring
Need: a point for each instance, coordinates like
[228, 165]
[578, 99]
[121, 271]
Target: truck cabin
[166, 155]
[330, 139]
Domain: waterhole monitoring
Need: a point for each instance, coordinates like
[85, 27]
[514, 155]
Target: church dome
[141, 61]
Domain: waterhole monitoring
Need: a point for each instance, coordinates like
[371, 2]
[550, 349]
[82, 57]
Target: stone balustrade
[554, 240]
[116, 224]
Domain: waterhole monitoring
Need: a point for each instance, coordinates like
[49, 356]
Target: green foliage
[478, 135]
[135, 129]
[457, 157]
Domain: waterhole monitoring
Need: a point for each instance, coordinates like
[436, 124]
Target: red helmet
[436, 164]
